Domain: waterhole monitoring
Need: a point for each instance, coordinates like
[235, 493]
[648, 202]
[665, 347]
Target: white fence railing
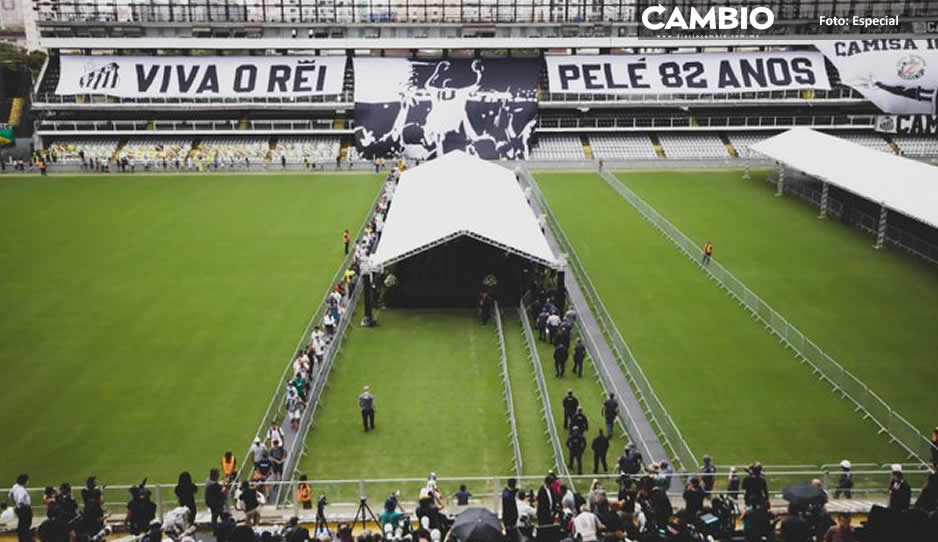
[668, 432]
[509, 398]
[826, 368]
[555, 443]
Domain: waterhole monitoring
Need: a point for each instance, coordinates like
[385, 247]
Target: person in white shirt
[553, 324]
[257, 450]
[525, 510]
[22, 507]
[587, 525]
[301, 363]
[275, 433]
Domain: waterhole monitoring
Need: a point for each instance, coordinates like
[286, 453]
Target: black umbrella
[803, 493]
[478, 525]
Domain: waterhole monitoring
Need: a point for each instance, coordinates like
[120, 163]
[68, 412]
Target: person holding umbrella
[478, 525]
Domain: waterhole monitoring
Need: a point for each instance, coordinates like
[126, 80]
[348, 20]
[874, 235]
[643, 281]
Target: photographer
[93, 514]
[68, 508]
[755, 488]
[390, 515]
[694, 496]
[140, 510]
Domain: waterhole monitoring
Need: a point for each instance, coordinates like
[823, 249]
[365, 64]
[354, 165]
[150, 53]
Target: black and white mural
[423, 109]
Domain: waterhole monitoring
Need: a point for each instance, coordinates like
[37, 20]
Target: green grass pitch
[147, 318]
[874, 312]
[438, 405]
[733, 390]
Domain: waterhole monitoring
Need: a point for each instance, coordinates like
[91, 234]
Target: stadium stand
[706, 145]
[147, 151]
[916, 146]
[232, 151]
[70, 151]
[873, 141]
[742, 141]
[623, 147]
[297, 149]
[558, 147]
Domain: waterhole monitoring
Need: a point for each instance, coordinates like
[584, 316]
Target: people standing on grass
[600, 446]
[570, 404]
[610, 412]
[366, 402]
[579, 354]
[561, 353]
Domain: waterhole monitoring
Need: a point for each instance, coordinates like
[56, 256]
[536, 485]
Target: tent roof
[902, 185]
[457, 195]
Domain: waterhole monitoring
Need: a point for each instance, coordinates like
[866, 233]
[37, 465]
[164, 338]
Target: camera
[102, 534]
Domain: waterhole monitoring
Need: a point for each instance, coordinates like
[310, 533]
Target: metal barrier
[659, 416]
[277, 403]
[844, 383]
[509, 399]
[531, 343]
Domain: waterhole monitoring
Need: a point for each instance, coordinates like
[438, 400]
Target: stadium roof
[458, 195]
[906, 186]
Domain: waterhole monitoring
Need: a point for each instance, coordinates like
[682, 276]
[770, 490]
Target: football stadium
[469, 270]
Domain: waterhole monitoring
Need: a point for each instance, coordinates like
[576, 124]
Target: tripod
[321, 522]
[360, 514]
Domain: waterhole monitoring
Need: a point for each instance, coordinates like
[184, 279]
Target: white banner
[695, 73]
[201, 77]
[907, 124]
[897, 75]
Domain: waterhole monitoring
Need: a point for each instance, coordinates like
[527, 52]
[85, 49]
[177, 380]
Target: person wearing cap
[707, 479]
[755, 488]
[570, 404]
[845, 483]
[366, 401]
[579, 420]
[900, 494]
[256, 452]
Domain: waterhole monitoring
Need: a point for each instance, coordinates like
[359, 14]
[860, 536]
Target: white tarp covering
[903, 185]
[460, 195]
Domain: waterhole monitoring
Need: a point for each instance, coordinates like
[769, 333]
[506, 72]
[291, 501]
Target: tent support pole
[561, 292]
[824, 189]
[881, 227]
[369, 320]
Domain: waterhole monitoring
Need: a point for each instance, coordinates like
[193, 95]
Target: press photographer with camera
[92, 517]
[140, 509]
[755, 488]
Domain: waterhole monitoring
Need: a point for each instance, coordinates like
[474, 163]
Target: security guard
[570, 404]
[579, 420]
[576, 443]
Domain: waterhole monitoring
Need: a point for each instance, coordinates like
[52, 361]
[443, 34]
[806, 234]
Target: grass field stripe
[683, 243]
[509, 400]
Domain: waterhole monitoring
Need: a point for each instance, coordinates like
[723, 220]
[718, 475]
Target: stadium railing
[668, 432]
[531, 343]
[276, 408]
[43, 98]
[729, 98]
[826, 368]
[871, 485]
[509, 398]
[702, 121]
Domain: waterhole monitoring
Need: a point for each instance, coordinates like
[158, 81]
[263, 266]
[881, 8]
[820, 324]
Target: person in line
[579, 420]
[576, 444]
[22, 508]
[256, 451]
[600, 446]
[610, 412]
[185, 492]
[229, 466]
[570, 404]
[579, 354]
[366, 401]
[215, 497]
[707, 253]
[708, 478]
[346, 238]
[845, 482]
[540, 324]
[900, 494]
[553, 326]
[561, 353]
[278, 456]
[510, 506]
[274, 433]
[842, 532]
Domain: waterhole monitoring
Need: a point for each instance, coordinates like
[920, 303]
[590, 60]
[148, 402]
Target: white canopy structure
[460, 195]
[906, 186]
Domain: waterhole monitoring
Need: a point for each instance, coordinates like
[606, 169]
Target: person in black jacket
[561, 353]
[694, 496]
[510, 506]
[579, 420]
[140, 510]
[600, 446]
[185, 491]
[576, 444]
[545, 504]
[900, 494]
[214, 497]
[610, 411]
[755, 488]
[570, 404]
[579, 354]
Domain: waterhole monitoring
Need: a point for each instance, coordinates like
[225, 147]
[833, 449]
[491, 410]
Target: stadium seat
[67, 151]
[231, 151]
[916, 146]
[706, 145]
[623, 147]
[558, 147]
[297, 149]
[148, 151]
[743, 141]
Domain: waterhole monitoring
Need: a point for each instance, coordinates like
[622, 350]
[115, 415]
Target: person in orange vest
[304, 495]
[229, 466]
[42, 166]
[345, 239]
[934, 447]
[707, 253]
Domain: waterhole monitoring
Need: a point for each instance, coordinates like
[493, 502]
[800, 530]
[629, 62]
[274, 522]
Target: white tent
[460, 195]
[903, 185]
